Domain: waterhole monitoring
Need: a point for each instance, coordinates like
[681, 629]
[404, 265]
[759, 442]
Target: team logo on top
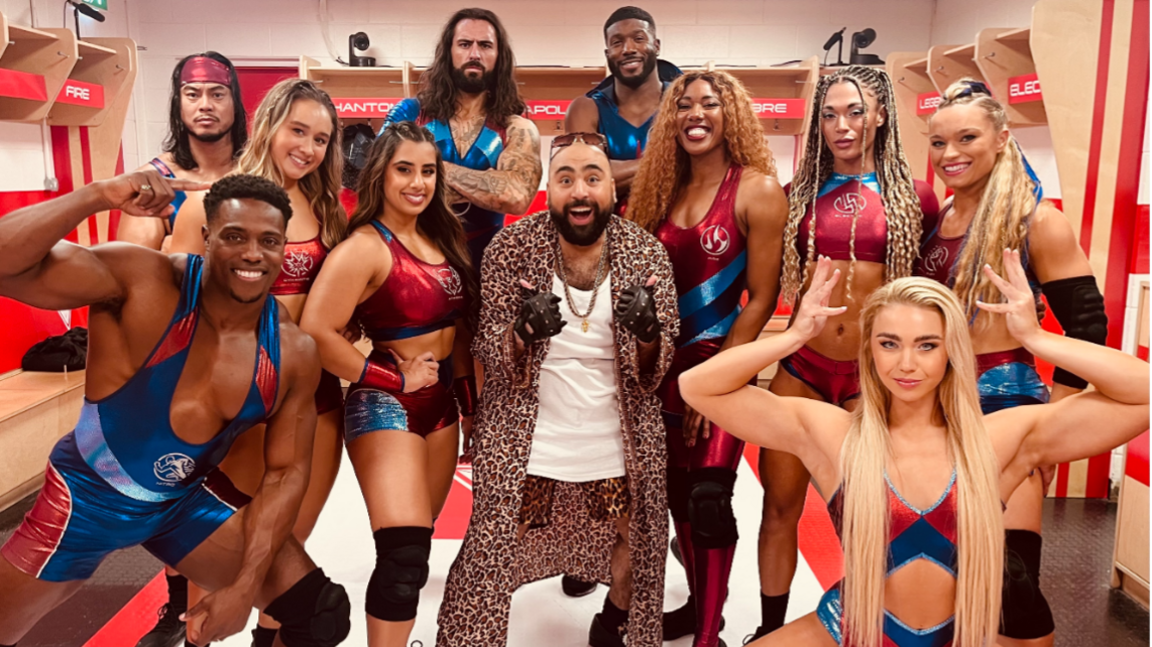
[936, 259]
[297, 265]
[850, 204]
[715, 240]
[450, 281]
[173, 468]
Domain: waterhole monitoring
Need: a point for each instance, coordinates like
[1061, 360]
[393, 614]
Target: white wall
[543, 32]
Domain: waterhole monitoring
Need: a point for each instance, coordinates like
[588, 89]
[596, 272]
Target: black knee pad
[679, 486]
[315, 612]
[710, 508]
[401, 571]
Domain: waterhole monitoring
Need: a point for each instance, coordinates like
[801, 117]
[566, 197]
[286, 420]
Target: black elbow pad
[1079, 307]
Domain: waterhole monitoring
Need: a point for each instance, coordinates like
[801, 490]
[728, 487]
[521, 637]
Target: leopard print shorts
[607, 499]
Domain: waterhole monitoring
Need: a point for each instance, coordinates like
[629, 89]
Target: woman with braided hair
[853, 200]
[998, 204]
[707, 189]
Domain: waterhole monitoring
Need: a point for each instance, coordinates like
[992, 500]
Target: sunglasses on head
[589, 139]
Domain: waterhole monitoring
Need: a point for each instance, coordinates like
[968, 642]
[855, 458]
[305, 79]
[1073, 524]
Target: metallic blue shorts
[79, 519]
[830, 612]
[1009, 379]
[420, 412]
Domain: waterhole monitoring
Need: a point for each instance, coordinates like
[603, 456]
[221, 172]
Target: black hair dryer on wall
[860, 40]
[359, 41]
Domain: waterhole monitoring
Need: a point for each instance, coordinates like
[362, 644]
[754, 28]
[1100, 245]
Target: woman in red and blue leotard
[295, 143]
[721, 224]
[915, 477]
[404, 276]
[852, 199]
[998, 203]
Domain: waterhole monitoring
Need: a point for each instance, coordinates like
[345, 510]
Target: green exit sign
[99, 4]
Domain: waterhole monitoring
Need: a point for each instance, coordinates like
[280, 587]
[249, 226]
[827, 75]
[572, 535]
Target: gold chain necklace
[595, 287]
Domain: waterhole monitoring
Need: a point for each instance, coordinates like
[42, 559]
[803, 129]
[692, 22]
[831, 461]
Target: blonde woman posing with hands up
[915, 478]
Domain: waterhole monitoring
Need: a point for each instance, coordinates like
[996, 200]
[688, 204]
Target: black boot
[575, 588]
[169, 630]
[682, 622]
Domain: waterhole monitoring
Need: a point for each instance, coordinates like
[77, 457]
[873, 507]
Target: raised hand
[419, 372]
[539, 315]
[1019, 306]
[145, 193]
[636, 311]
[814, 311]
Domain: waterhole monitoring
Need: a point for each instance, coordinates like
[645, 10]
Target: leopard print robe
[491, 564]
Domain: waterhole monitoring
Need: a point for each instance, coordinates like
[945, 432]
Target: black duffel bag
[57, 354]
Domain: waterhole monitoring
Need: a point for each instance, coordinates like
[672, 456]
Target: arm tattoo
[509, 187]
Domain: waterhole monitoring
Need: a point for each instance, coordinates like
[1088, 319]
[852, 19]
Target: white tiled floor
[541, 614]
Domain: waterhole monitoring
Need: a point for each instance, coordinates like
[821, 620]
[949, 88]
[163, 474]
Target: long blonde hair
[664, 167]
[322, 186]
[980, 542]
[1005, 210]
[897, 189]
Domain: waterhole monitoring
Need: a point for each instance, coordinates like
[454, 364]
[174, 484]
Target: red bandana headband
[202, 69]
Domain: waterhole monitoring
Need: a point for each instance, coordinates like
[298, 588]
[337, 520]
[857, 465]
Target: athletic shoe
[575, 588]
[599, 636]
[168, 632]
[682, 622]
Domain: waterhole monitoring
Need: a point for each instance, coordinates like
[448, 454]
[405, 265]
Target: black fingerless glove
[636, 311]
[541, 312]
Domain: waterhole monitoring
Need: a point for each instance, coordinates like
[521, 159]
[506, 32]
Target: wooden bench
[36, 410]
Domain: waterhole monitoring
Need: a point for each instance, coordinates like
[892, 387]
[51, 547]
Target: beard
[639, 79]
[472, 84]
[208, 138]
[587, 234]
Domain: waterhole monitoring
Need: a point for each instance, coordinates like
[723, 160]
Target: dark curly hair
[246, 186]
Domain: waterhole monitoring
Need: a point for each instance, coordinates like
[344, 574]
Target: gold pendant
[584, 326]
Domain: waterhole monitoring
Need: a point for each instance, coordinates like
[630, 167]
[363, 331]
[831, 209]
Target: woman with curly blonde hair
[853, 199]
[295, 143]
[998, 203]
[915, 476]
[707, 189]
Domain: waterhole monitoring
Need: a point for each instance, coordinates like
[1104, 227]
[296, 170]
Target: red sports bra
[840, 198]
[417, 297]
[301, 266]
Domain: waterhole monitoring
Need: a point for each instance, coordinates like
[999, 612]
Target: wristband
[381, 377]
[465, 390]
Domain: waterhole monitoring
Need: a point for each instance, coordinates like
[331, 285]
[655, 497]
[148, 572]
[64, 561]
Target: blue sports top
[181, 196]
[625, 141]
[480, 224]
[127, 437]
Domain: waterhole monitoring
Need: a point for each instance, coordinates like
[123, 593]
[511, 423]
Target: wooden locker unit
[1002, 56]
[38, 61]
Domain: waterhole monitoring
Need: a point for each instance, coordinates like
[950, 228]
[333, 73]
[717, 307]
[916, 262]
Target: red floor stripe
[135, 619]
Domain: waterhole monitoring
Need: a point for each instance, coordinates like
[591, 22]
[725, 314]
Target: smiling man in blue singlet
[469, 100]
[624, 105]
[187, 352]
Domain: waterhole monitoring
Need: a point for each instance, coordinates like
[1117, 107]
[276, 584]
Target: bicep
[582, 117]
[291, 430]
[73, 276]
[1054, 252]
[522, 149]
[1071, 429]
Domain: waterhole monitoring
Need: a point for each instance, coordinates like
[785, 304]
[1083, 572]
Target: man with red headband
[207, 129]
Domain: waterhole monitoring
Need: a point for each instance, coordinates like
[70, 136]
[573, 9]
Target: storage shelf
[1003, 56]
[102, 73]
[35, 64]
[948, 64]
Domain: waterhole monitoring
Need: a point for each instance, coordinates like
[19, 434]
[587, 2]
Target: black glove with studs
[636, 311]
[541, 313]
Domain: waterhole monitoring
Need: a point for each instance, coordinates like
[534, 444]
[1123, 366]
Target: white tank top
[578, 437]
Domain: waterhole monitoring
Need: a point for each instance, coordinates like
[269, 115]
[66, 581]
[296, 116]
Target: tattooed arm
[511, 186]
